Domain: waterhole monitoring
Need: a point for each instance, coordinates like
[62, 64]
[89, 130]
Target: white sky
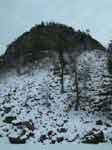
[17, 16]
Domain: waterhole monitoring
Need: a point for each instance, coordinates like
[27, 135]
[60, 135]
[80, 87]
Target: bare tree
[60, 48]
[76, 86]
[72, 61]
[19, 64]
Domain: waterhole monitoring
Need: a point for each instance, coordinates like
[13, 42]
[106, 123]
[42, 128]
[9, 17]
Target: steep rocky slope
[33, 110]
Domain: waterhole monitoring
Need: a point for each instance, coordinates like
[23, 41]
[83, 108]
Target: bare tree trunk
[62, 79]
[77, 89]
[62, 71]
[20, 63]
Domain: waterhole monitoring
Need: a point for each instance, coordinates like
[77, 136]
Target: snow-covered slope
[33, 110]
[94, 80]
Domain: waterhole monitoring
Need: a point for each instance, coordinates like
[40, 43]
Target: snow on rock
[33, 108]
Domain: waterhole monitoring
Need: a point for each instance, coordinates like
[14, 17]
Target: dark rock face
[62, 130]
[43, 138]
[60, 139]
[25, 124]
[17, 140]
[53, 142]
[9, 119]
[99, 122]
[94, 137]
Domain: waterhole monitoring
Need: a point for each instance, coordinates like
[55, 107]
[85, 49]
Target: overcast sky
[17, 16]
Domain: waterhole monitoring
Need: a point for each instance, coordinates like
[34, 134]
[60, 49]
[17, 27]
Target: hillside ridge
[51, 36]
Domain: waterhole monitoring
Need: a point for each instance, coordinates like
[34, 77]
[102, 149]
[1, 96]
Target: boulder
[43, 138]
[17, 140]
[60, 139]
[62, 130]
[94, 137]
[99, 122]
[9, 119]
[24, 124]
